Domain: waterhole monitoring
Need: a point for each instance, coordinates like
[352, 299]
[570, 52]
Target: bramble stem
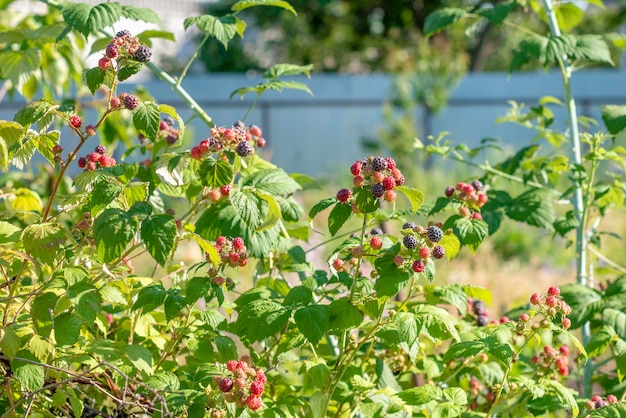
[191, 60]
[579, 202]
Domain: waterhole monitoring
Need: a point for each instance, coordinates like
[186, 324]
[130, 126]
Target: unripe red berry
[590, 405]
[111, 51]
[378, 177]
[91, 166]
[260, 142]
[535, 299]
[355, 168]
[338, 264]
[596, 398]
[390, 196]
[389, 183]
[551, 301]
[196, 153]
[82, 162]
[564, 350]
[256, 131]
[254, 402]
[482, 198]
[260, 376]
[238, 243]
[424, 252]
[76, 121]
[554, 291]
[563, 371]
[358, 181]
[256, 387]
[233, 258]
[398, 260]
[57, 149]
[391, 163]
[214, 195]
[611, 399]
[221, 240]
[104, 63]
[376, 243]
[477, 215]
[226, 385]
[115, 102]
[231, 365]
[344, 195]
[566, 322]
[524, 317]
[418, 266]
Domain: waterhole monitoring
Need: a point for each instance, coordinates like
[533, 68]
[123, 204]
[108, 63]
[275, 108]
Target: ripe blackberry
[481, 321]
[111, 51]
[408, 225]
[244, 149]
[379, 164]
[143, 54]
[169, 120]
[82, 162]
[344, 195]
[449, 191]
[439, 252]
[478, 307]
[435, 234]
[477, 185]
[100, 149]
[131, 102]
[410, 241]
[376, 231]
[123, 33]
[378, 190]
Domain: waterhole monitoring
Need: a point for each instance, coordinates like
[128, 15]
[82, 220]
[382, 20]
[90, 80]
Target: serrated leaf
[215, 173]
[104, 192]
[338, 216]
[273, 181]
[280, 70]
[67, 328]
[30, 376]
[471, 232]
[273, 212]
[451, 244]
[41, 311]
[9, 233]
[420, 395]
[441, 18]
[208, 248]
[260, 319]
[221, 28]
[479, 292]
[248, 206]
[86, 19]
[113, 230]
[365, 202]
[142, 14]
[147, 119]
[44, 143]
[197, 287]
[593, 48]
[94, 78]
[533, 207]
[158, 232]
[149, 298]
[139, 356]
[42, 241]
[391, 279]
[616, 410]
[498, 12]
[321, 205]
[277, 85]
[165, 381]
[614, 118]
[170, 169]
[415, 196]
[313, 321]
[615, 319]
[24, 200]
[39, 347]
[437, 321]
[174, 303]
[563, 393]
[128, 70]
[10, 342]
[585, 303]
[344, 315]
[245, 4]
[33, 112]
[530, 48]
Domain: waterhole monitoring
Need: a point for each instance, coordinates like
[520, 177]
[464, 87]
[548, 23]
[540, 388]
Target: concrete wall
[317, 134]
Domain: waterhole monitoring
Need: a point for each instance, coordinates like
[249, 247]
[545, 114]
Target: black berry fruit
[408, 225]
[131, 102]
[344, 195]
[477, 185]
[101, 149]
[376, 231]
[123, 33]
[439, 252]
[244, 149]
[168, 120]
[478, 307]
[379, 164]
[435, 234]
[143, 54]
[378, 190]
[410, 241]
[481, 321]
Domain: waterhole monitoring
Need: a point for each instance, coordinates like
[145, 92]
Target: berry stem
[191, 60]
[252, 106]
[357, 269]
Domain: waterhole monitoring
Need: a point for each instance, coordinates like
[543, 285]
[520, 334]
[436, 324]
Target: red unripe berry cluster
[124, 46]
[381, 174]
[551, 360]
[97, 159]
[242, 384]
[238, 138]
[470, 195]
[76, 121]
[232, 251]
[167, 131]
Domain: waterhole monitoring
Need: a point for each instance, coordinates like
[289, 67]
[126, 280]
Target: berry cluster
[167, 130]
[471, 197]
[597, 401]
[240, 384]
[216, 194]
[123, 47]
[379, 175]
[480, 310]
[548, 307]
[550, 360]
[56, 151]
[232, 251]
[129, 101]
[97, 159]
[420, 245]
[238, 138]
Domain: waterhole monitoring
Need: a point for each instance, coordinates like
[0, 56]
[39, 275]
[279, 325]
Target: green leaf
[103, 193]
[533, 207]
[313, 321]
[298, 296]
[44, 144]
[214, 173]
[616, 410]
[593, 48]
[43, 241]
[113, 230]
[149, 298]
[260, 319]
[86, 19]
[245, 4]
[600, 340]
[31, 376]
[276, 85]
[338, 216]
[170, 169]
[18, 66]
[479, 292]
[197, 287]
[420, 395]
[141, 14]
[280, 70]
[165, 381]
[147, 119]
[208, 248]
[10, 342]
[564, 394]
[617, 320]
[173, 304]
[568, 16]
[365, 202]
[9, 233]
[128, 70]
[585, 303]
[321, 205]
[319, 403]
[273, 181]
[41, 311]
[614, 118]
[471, 232]
[67, 328]
[139, 356]
[437, 321]
[441, 18]
[464, 349]
[221, 28]
[391, 279]
[386, 378]
[33, 112]
[248, 206]
[39, 347]
[94, 78]
[415, 196]
[407, 327]
[498, 12]
[158, 232]
[343, 315]
[530, 48]
[451, 244]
